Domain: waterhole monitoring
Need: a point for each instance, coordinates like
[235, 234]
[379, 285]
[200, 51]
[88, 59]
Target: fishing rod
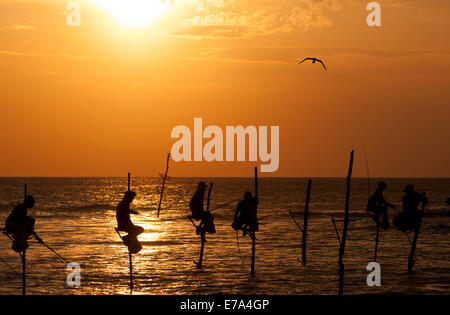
[266, 216]
[40, 241]
[54, 252]
[163, 184]
[225, 204]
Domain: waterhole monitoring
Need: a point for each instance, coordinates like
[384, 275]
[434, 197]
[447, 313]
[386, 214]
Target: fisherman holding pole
[196, 206]
[124, 221]
[206, 224]
[245, 216]
[21, 226]
[378, 207]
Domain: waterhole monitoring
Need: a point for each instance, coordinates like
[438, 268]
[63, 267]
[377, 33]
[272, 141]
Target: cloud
[223, 19]
[22, 54]
[18, 27]
[244, 18]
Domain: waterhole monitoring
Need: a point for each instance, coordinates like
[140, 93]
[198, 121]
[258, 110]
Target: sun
[135, 13]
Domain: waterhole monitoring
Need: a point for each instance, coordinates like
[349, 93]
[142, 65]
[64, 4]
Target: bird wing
[322, 64]
[305, 60]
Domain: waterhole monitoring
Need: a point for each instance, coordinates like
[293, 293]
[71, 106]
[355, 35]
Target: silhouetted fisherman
[198, 213]
[245, 216]
[447, 201]
[21, 226]
[377, 205]
[407, 220]
[124, 222]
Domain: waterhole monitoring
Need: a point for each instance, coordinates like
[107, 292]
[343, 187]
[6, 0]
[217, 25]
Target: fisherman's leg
[210, 227]
[200, 228]
[137, 230]
[20, 237]
[377, 215]
[10, 228]
[384, 218]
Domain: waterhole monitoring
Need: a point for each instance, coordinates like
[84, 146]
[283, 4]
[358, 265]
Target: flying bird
[314, 61]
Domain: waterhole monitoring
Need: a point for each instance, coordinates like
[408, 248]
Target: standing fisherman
[21, 226]
[245, 216]
[378, 206]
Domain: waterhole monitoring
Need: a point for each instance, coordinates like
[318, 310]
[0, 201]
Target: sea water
[76, 217]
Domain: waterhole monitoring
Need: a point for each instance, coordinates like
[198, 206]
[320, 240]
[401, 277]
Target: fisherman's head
[248, 195]
[29, 201]
[129, 196]
[201, 186]
[409, 188]
[382, 186]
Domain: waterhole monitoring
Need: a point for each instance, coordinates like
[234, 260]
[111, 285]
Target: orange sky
[101, 99]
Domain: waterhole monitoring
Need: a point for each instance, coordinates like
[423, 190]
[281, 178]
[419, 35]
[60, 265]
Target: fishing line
[336, 230]
[10, 267]
[295, 221]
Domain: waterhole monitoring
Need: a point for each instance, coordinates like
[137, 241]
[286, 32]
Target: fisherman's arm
[382, 201]
[390, 205]
[424, 200]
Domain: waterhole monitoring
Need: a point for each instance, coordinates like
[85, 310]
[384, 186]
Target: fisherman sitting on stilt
[124, 223]
[198, 213]
[245, 217]
[377, 206]
[21, 226]
[407, 221]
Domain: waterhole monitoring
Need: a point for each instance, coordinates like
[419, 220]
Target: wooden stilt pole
[414, 242]
[203, 232]
[376, 240]
[305, 222]
[253, 233]
[253, 236]
[344, 233]
[130, 256]
[256, 183]
[131, 272]
[24, 272]
[202, 248]
[24, 261]
[163, 184]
